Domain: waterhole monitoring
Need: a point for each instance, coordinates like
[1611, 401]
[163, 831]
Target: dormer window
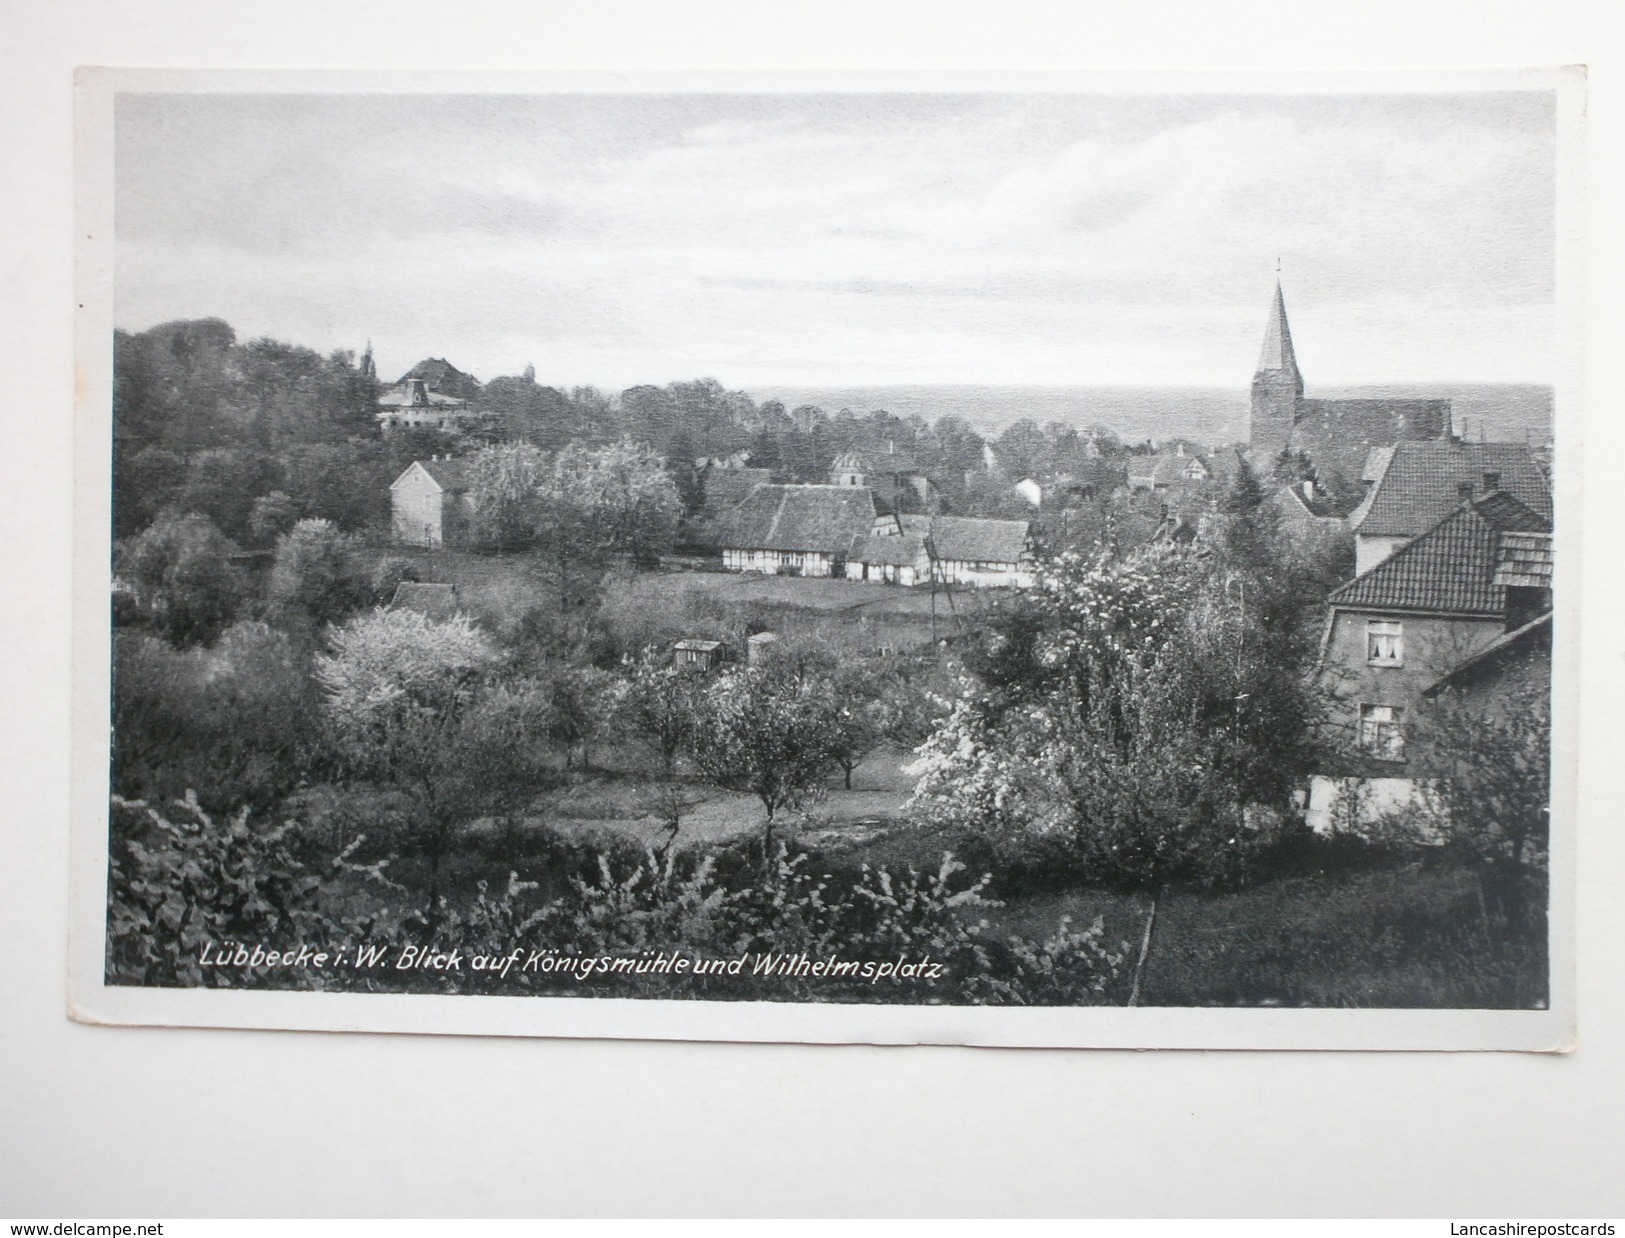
[1384, 643]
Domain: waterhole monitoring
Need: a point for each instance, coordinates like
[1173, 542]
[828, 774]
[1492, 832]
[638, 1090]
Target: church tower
[1277, 388]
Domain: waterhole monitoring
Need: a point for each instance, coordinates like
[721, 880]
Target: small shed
[706, 654]
[759, 646]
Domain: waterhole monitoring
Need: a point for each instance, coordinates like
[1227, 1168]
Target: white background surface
[148, 1124]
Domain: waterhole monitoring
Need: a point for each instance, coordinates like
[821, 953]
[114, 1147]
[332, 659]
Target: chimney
[1309, 489]
[1492, 482]
[1464, 491]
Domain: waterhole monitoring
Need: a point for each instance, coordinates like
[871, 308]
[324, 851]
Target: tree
[504, 485]
[387, 576]
[316, 577]
[767, 732]
[184, 582]
[870, 711]
[1023, 450]
[658, 704]
[272, 515]
[229, 722]
[1245, 492]
[595, 504]
[1136, 708]
[577, 700]
[1489, 799]
[222, 483]
[401, 690]
[348, 483]
[629, 497]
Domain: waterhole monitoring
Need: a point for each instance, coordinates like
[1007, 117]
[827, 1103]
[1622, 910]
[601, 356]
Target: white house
[429, 502]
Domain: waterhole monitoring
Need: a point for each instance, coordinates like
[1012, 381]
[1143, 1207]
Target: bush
[181, 885]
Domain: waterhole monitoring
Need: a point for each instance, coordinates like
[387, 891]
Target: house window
[1384, 643]
[1382, 731]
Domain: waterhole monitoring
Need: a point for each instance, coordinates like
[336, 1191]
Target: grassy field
[499, 588]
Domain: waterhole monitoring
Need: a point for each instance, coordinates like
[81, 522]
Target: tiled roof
[1451, 568]
[966, 539]
[1421, 484]
[825, 519]
[450, 475]
[401, 397]
[1398, 418]
[1376, 463]
[1510, 515]
[1292, 501]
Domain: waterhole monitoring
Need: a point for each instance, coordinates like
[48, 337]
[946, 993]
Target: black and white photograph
[1055, 562]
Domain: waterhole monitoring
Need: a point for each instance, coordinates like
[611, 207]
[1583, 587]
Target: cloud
[846, 238]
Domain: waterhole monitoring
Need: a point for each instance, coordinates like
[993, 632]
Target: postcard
[1007, 559]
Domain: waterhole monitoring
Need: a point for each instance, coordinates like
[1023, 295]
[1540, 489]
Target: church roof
[1277, 353]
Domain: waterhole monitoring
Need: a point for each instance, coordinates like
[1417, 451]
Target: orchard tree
[504, 488]
[229, 722]
[578, 700]
[658, 704]
[624, 497]
[401, 691]
[772, 734]
[1137, 709]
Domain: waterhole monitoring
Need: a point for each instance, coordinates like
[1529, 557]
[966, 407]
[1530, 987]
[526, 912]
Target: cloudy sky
[852, 239]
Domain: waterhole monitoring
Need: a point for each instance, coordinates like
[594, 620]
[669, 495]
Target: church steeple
[1277, 355]
[1277, 387]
